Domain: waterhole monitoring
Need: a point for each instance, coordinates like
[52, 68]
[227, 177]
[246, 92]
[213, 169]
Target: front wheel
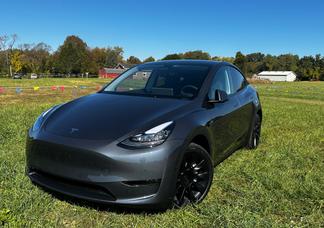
[194, 177]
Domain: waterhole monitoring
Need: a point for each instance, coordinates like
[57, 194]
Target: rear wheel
[254, 139]
[195, 176]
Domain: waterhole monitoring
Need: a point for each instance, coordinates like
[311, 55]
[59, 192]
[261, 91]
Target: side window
[220, 82]
[237, 80]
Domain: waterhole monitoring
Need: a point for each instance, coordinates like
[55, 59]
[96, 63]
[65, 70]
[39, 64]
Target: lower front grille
[70, 187]
[155, 182]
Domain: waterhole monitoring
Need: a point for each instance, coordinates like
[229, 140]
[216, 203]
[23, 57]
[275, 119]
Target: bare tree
[6, 44]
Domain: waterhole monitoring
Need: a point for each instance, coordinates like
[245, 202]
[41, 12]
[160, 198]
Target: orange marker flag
[2, 90]
[62, 88]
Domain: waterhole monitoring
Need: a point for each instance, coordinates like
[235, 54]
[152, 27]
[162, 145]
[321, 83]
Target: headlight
[39, 121]
[150, 138]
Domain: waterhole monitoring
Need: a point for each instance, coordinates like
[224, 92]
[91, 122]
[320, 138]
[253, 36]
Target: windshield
[161, 80]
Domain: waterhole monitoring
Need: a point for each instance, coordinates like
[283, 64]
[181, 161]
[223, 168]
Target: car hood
[103, 116]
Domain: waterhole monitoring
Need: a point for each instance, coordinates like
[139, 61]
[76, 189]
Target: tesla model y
[150, 138]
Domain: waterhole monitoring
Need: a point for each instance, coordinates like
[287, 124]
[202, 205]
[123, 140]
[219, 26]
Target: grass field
[280, 184]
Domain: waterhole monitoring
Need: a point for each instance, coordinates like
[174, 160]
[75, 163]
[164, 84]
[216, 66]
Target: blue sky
[157, 28]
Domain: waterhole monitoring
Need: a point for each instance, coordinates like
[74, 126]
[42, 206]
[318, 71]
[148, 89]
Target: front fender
[192, 126]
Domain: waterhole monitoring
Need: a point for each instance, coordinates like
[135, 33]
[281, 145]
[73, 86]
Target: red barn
[112, 72]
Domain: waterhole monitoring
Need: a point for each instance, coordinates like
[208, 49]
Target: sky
[160, 27]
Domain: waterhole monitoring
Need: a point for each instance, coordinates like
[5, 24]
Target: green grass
[280, 184]
[53, 82]
[303, 90]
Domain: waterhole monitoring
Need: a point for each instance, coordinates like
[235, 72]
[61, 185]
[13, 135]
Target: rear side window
[237, 80]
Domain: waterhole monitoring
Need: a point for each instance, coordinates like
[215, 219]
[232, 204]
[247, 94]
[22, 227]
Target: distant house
[279, 76]
[114, 72]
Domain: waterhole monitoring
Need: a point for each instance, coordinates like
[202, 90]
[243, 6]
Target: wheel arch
[202, 141]
[202, 137]
[259, 112]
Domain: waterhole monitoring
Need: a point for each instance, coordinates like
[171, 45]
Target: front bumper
[95, 171]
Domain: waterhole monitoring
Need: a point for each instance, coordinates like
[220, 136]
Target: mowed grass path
[279, 184]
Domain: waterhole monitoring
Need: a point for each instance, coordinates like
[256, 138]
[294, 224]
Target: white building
[279, 76]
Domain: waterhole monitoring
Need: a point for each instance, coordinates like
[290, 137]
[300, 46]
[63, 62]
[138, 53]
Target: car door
[222, 116]
[244, 112]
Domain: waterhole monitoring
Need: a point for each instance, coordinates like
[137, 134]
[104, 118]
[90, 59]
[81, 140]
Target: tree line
[75, 57]
[306, 67]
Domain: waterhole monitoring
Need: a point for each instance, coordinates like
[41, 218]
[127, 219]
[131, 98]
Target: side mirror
[220, 97]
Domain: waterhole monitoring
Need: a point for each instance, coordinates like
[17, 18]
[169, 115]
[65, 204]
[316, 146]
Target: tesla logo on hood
[73, 130]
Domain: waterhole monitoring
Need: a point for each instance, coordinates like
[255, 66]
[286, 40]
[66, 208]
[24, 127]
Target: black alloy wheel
[195, 176]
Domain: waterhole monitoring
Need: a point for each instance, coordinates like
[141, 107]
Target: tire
[255, 134]
[194, 177]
